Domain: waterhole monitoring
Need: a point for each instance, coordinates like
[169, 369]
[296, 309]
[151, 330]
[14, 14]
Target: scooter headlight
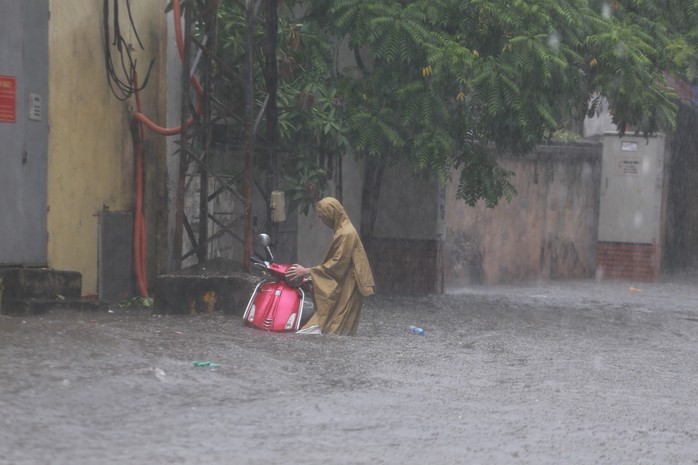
[291, 320]
[250, 317]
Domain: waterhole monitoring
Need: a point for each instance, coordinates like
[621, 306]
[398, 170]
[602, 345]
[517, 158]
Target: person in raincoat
[342, 280]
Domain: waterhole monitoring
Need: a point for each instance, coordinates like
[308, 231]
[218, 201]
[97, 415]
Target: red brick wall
[617, 260]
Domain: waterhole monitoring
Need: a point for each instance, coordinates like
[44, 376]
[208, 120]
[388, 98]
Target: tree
[304, 134]
[446, 84]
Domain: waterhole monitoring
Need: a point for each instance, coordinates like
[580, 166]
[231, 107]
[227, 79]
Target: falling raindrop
[554, 40]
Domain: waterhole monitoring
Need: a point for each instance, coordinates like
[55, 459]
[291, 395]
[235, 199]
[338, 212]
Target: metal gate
[23, 132]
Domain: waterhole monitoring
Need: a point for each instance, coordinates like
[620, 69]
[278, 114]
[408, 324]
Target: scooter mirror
[264, 240]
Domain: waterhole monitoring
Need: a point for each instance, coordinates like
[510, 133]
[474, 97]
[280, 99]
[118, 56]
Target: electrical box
[631, 207]
[631, 189]
[24, 133]
[278, 206]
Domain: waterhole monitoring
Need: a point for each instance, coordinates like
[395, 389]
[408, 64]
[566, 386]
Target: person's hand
[296, 271]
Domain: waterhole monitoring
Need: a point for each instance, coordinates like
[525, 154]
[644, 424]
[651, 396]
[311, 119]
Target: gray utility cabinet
[23, 132]
[632, 189]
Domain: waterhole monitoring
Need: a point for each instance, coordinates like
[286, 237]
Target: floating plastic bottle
[417, 330]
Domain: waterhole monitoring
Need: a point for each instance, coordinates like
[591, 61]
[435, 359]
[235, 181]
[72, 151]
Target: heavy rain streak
[521, 174]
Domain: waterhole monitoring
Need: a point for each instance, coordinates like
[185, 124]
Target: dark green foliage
[444, 85]
[312, 132]
[449, 82]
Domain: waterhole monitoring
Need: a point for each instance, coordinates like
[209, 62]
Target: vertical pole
[183, 162]
[271, 77]
[249, 123]
[205, 131]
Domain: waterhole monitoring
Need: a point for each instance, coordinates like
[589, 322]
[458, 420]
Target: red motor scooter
[277, 304]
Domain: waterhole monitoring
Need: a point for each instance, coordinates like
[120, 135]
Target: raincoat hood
[330, 209]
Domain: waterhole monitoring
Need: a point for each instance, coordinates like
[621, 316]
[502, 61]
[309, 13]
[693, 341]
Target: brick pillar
[619, 260]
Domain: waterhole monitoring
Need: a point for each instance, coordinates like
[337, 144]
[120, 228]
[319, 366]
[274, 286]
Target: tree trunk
[271, 79]
[249, 123]
[373, 177]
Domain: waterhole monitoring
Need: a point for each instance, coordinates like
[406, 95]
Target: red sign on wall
[8, 99]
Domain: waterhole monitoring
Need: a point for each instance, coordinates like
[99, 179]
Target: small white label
[628, 146]
[34, 107]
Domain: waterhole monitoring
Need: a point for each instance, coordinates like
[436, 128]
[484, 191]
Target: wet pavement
[552, 373]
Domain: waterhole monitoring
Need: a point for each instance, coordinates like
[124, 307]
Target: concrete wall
[314, 237]
[407, 250]
[407, 206]
[548, 231]
[600, 124]
[90, 146]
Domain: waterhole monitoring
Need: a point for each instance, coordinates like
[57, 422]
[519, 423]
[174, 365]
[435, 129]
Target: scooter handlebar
[277, 270]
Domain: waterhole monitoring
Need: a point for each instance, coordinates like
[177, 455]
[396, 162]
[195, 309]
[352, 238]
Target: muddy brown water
[572, 373]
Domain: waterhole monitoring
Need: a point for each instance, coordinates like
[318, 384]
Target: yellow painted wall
[90, 153]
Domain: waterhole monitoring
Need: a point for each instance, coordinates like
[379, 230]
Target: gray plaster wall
[408, 206]
[600, 124]
[407, 210]
[314, 237]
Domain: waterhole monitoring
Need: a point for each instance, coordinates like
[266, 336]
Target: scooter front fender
[275, 306]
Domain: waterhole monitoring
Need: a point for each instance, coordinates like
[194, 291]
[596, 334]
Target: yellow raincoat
[344, 278]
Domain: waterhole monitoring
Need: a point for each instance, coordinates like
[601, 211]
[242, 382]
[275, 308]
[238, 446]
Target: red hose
[177, 15]
[139, 232]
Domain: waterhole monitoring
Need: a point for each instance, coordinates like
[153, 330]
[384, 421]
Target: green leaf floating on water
[204, 364]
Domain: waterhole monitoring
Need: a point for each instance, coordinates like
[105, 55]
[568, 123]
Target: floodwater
[553, 373]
